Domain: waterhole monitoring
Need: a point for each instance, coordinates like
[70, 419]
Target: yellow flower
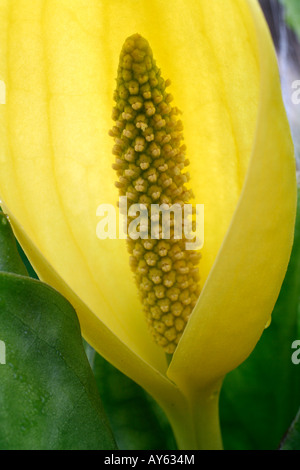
[58, 62]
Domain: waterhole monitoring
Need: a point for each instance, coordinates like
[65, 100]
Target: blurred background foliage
[283, 18]
[292, 14]
[259, 401]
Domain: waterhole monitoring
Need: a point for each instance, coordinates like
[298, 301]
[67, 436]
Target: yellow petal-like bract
[58, 61]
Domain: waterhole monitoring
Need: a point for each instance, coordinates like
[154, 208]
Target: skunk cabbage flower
[59, 62]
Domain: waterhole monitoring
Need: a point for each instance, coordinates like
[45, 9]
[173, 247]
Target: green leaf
[10, 260]
[292, 440]
[26, 262]
[260, 398]
[292, 14]
[136, 420]
[48, 395]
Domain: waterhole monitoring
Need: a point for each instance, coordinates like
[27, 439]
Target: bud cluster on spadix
[150, 162]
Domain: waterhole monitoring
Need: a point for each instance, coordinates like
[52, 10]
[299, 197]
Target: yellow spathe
[58, 60]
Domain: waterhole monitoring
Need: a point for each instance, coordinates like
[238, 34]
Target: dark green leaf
[10, 260]
[260, 398]
[26, 262]
[292, 440]
[48, 395]
[137, 421]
